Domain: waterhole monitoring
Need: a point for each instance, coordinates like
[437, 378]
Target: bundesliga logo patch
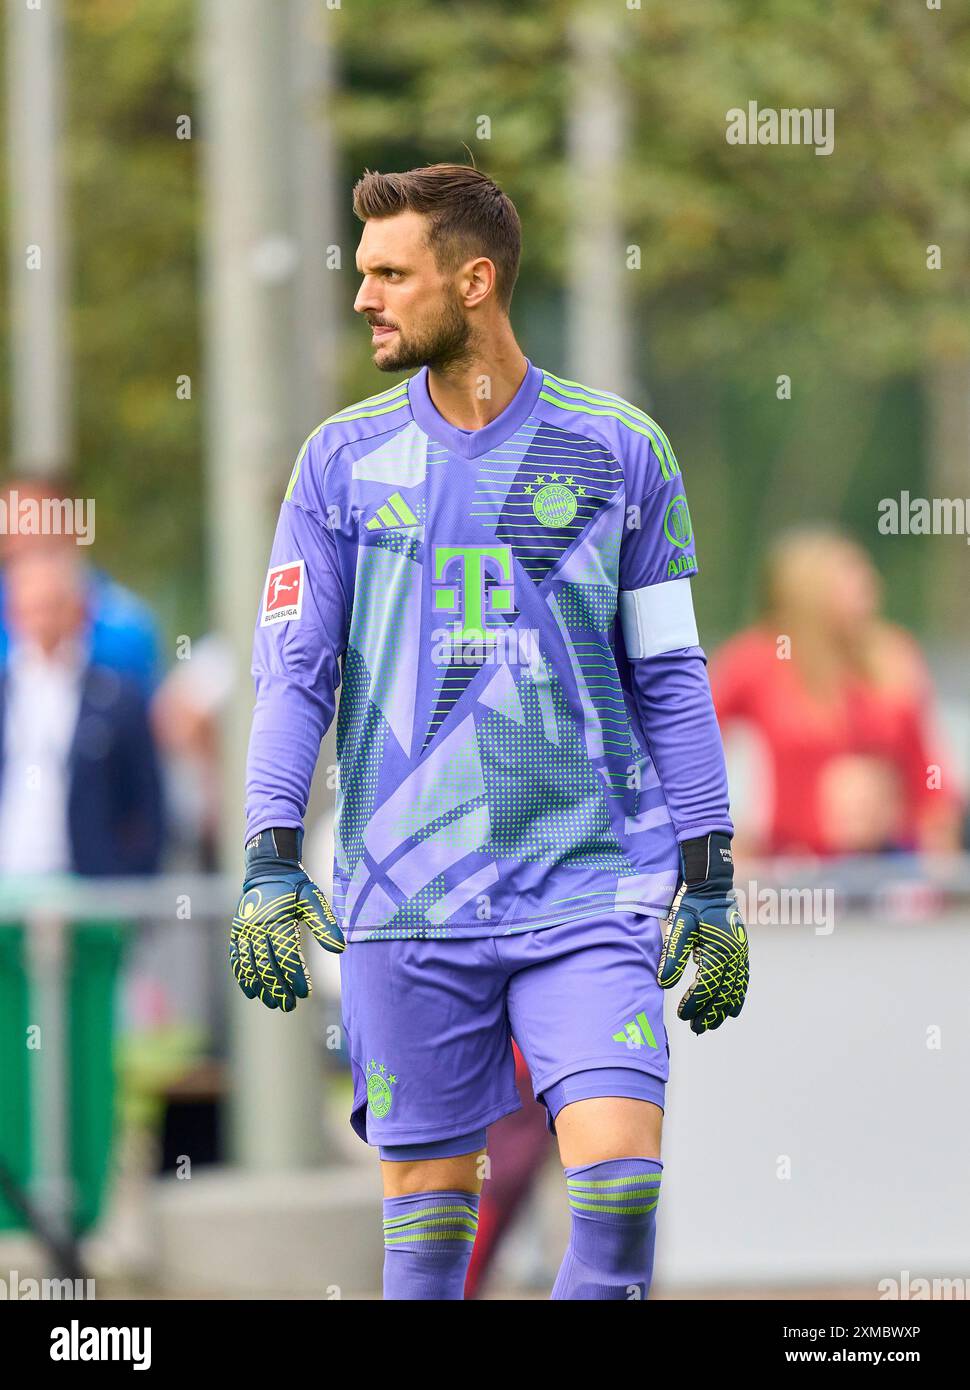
[283, 595]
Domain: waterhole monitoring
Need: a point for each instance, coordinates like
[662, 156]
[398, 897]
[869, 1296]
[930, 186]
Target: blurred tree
[749, 262]
[133, 200]
[470, 82]
[763, 260]
[746, 262]
[761, 237]
[135, 205]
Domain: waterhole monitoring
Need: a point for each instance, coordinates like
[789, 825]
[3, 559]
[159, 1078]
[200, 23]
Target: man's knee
[461, 1173]
[608, 1127]
[430, 1219]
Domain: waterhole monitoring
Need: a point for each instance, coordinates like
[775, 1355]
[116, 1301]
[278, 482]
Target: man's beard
[442, 345]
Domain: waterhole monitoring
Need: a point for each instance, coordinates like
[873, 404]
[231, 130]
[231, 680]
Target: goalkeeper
[497, 564]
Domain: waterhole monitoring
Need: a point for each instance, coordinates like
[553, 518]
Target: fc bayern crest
[379, 1094]
[554, 505]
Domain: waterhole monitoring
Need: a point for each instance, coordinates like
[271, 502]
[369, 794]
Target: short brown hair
[469, 215]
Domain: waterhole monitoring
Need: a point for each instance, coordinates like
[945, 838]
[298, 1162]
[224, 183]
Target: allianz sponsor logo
[681, 564]
[787, 125]
[82, 1343]
[498, 646]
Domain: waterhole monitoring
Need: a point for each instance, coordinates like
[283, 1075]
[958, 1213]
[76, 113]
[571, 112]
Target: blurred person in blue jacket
[79, 794]
[79, 779]
[121, 631]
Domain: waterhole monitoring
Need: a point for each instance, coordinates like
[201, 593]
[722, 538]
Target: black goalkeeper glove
[705, 923]
[278, 898]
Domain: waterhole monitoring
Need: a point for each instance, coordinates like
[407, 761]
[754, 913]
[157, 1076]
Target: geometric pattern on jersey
[459, 813]
[386, 614]
[453, 682]
[494, 474]
[597, 560]
[407, 543]
[454, 677]
[606, 725]
[400, 460]
[361, 736]
[530, 761]
[543, 472]
[564, 478]
[587, 607]
[432, 821]
[584, 400]
[558, 813]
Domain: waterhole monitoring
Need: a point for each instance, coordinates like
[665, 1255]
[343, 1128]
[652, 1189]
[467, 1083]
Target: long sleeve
[673, 698]
[301, 635]
[668, 670]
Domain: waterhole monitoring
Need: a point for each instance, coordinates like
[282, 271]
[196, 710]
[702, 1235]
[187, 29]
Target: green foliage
[762, 238]
[755, 260]
[738, 243]
[135, 209]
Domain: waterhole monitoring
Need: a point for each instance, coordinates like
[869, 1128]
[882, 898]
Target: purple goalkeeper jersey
[493, 603]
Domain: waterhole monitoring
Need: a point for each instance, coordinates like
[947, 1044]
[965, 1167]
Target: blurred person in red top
[841, 703]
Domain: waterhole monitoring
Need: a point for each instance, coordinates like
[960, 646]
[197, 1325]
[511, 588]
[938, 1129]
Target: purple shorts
[430, 1024]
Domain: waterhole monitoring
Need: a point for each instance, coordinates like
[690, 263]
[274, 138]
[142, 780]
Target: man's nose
[368, 300]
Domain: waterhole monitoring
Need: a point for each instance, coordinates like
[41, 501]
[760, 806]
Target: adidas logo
[394, 512]
[637, 1033]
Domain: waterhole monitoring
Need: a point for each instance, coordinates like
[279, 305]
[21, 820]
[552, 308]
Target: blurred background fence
[817, 1114]
[177, 317]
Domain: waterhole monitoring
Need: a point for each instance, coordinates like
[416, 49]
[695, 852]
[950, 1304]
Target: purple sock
[610, 1252]
[428, 1239]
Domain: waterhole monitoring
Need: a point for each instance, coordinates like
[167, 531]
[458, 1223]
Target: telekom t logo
[473, 563]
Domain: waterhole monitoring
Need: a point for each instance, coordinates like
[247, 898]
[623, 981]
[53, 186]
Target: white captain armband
[659, 618]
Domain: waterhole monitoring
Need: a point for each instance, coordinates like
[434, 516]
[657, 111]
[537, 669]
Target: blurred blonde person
[840, 702]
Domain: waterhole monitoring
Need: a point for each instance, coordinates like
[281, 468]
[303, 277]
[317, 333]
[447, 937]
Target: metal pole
[251, 259]
[317, 213]
[317, 223]
[317, 227]
[598, 290]
[40, 387]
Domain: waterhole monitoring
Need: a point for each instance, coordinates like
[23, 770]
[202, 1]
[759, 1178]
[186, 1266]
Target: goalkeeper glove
[704, 922]
[278, 898]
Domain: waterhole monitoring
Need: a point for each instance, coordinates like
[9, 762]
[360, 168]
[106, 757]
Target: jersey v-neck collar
[473, 443]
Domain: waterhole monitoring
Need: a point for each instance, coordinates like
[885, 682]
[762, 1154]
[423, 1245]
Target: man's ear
[479, 277]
